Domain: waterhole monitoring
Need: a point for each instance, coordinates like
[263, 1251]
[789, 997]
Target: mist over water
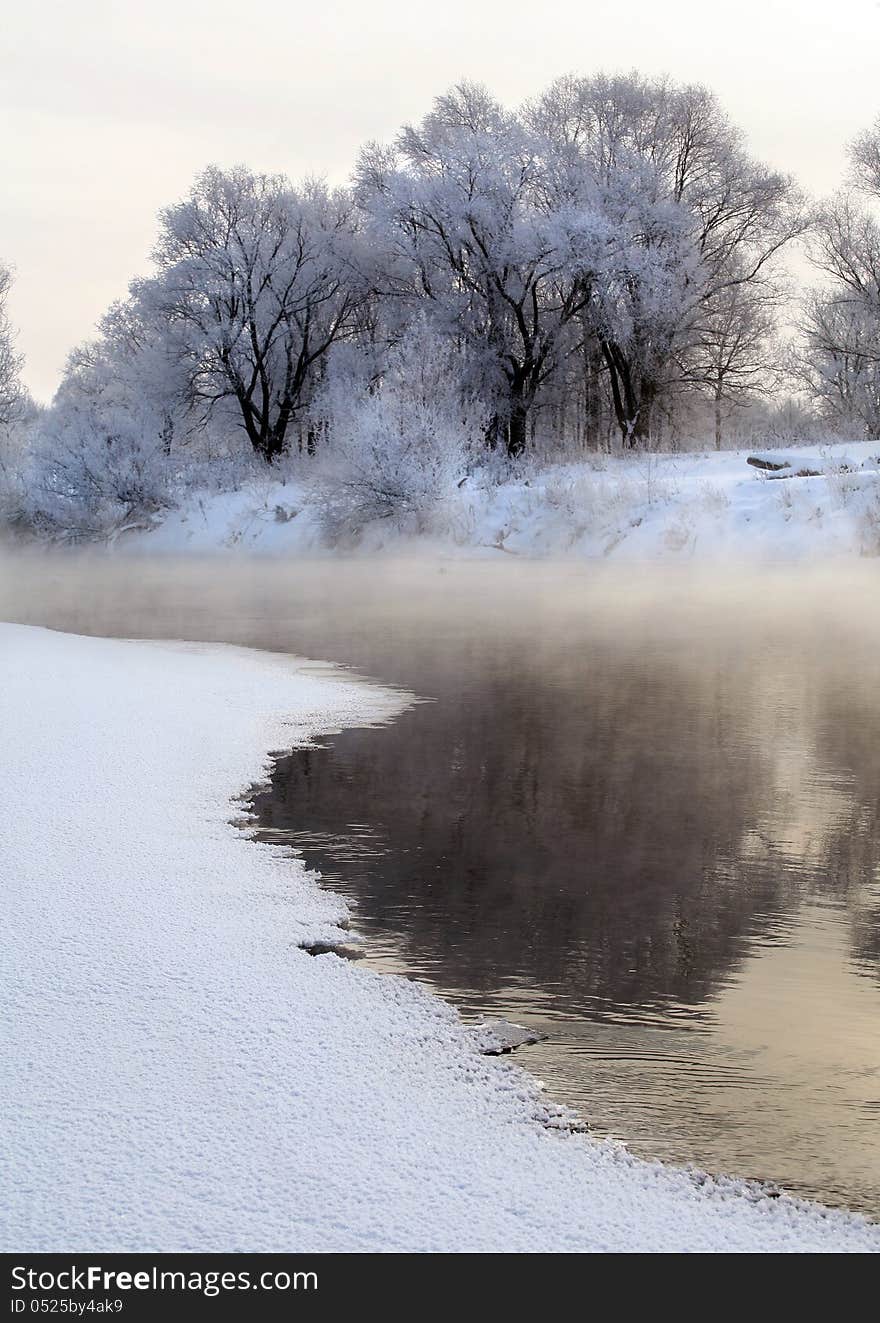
[641, 811]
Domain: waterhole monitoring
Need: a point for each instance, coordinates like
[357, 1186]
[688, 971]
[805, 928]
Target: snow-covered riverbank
[642, 506]
[180, 1075]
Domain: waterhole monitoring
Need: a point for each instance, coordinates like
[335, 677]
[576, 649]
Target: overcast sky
[111, 106]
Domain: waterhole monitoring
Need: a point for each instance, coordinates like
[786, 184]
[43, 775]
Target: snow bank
[643, 506]
[181, 1075]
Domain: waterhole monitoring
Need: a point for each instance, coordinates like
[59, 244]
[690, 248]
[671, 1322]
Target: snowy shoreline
[637, 506]
[181, 1075]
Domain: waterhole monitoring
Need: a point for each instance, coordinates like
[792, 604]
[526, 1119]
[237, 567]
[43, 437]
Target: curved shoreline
[185, 1078]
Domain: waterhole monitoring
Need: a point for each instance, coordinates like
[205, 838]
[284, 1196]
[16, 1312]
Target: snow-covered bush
[119, 443]
[88, 478]
[86, 485]
[395, 448]
[574, 497]
[101, 452]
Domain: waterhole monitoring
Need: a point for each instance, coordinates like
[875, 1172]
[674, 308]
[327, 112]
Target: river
[636, 809]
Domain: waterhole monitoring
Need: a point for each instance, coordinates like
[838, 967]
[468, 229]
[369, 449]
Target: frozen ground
[709, 506]
[179, 1075]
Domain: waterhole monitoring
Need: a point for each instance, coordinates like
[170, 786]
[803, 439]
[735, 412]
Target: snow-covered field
[181, 1075]
[710, 505]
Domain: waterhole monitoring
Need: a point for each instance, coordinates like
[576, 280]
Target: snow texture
[181, 1075]
[709, 506]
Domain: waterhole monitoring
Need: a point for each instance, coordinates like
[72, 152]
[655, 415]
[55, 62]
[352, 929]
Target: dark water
[638, 810]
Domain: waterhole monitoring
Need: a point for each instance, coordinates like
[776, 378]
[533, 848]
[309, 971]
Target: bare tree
[846, 250]
[731, 354]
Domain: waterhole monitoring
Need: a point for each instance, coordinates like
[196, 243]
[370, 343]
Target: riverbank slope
[814, 502]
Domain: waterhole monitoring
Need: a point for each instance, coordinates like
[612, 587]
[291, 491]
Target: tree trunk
[592, 397]
[167, 434]
[496, 431]
[516, 429]
[626, 410]
[639, 423]
[634, 397]
[267, 444]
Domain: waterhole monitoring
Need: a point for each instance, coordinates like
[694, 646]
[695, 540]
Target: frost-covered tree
[588, 270]
[846, 250]
[864, 159]
[148, 360]
[471, 234]
[838, 359]
[255, 281]
[12, 395]
[693, 216]
[108, 447]
[101, 451]
[17, 415]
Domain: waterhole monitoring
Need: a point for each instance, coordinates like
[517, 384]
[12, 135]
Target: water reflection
[611, 827]
[639, 811]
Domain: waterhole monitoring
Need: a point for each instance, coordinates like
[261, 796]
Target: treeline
[599, 268]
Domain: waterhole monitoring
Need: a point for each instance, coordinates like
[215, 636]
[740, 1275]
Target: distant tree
[146, 360]
[12, 395]
[255, 281]
[692, 214]
[838, 358]
[846, 250]
[100, 455]
[837, 361]
[864, 158]
[731, 354]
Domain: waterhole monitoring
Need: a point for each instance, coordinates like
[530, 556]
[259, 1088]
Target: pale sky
[109, 109]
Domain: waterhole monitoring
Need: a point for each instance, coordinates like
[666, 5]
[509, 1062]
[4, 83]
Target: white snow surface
[180, 1075]
[709, 505]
